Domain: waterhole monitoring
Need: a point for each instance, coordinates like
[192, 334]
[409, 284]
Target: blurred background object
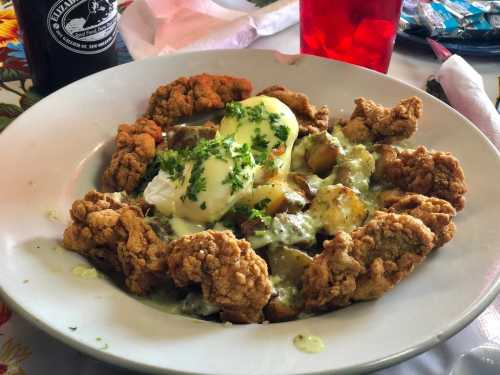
[463, 88]
[360, 32]
[466, 27]
[158, 27]
[65, 41]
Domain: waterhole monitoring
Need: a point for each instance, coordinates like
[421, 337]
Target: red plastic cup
[360, 32]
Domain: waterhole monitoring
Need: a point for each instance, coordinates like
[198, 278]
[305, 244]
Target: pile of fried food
[327, 213]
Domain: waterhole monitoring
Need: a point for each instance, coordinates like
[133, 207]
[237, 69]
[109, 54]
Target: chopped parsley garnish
[227, 143]
[259, 146]
[281, 131]
[174, 162]
[242, 159]
[274, 118]
[272, 164]
[170, 162]
[261, 205]
[259, 152]
[235, 109]
[198, 155]
[197, 183]
[260, 157]
[259, 141]
[203, 206]
[250, 213]
[151, 171]
[257, 114]
[233, 178]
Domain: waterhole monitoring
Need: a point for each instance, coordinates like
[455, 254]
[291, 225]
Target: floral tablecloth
[25, 349]
[15, 96]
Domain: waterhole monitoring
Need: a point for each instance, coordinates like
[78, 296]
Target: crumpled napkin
[482, 360]
[465, 91]
[157, 27]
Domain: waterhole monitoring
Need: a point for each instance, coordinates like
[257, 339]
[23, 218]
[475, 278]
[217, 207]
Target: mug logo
[83, 26]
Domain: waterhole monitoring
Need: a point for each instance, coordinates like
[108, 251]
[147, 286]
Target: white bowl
[54, 153]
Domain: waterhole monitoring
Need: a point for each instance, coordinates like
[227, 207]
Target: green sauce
[52, 215]
[183, 227]
[288, 294]
[370, 199]
[85, 272]
[287, 229]
[308, 343]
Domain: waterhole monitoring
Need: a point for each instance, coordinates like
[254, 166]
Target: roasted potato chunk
[287, 268]
[288, 263]
[337, 207]
[307, 184]
[322, 153]
[185, 136]
[317, 152]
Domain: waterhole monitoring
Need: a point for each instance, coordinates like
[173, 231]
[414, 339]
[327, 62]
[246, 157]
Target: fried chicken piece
[131, 200]
[436, 213]
[387, 155]
[139, 202]
[135, 149]
[231, 274]
[373, 122]
[390, 246]
[184, 136]
[311, 120]
[356, 131]
[189, 95]
[432, 173]
[330, 280]
[389, 197]
[115, 236]
[366, 264]
[92, 202]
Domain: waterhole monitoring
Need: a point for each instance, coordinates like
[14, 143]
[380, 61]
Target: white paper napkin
[465, 90]
[483, 360]
[156, 27]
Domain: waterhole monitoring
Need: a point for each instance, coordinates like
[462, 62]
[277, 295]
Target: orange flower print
[8, 27]
[5, 314]
[11, 356]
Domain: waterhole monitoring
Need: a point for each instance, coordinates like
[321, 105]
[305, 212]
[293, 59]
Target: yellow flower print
[11, 356]
[8, 27]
